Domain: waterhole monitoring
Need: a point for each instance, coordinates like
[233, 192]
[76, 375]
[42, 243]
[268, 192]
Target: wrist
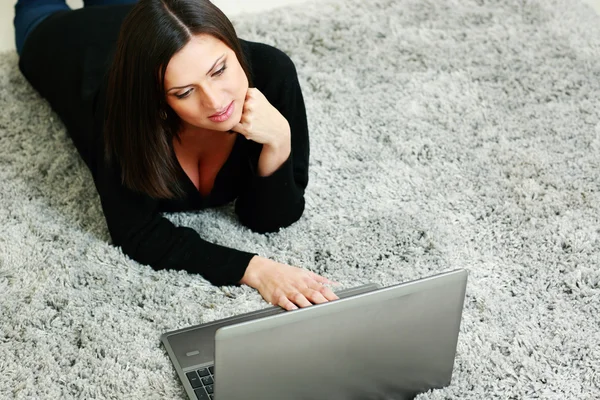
[271, 158]
[279, 151]
[282, 142]
[252, 275]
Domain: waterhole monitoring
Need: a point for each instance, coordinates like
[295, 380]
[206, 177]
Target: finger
[248, 94]
[246, 122]
[252, 92]
[299, 299]
[328, 293]
[286, 304]
[324, 291]
[240, 128]
[257, 94]
[315, 296]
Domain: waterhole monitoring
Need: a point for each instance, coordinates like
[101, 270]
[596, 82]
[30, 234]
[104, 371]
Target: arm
[275, 196]
[274, 119]
[136, 225]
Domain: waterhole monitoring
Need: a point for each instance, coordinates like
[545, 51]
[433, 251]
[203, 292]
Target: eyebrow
[211, 68]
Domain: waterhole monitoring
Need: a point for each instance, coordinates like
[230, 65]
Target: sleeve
[276, 201]
[136, 225]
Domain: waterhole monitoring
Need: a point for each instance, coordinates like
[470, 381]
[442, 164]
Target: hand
[286, 286]
[263, 123]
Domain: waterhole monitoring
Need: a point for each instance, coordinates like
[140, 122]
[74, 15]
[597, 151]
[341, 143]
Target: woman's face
[206, 85]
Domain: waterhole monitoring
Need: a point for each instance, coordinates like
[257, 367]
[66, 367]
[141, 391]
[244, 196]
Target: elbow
[273, 221]
[144, 248]
[132, 248]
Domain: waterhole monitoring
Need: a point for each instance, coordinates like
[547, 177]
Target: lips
[224, 115]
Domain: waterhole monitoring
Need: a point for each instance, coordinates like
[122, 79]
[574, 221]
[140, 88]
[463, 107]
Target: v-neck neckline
[192, 188]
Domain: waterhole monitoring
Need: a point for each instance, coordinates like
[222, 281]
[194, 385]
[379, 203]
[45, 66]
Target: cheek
[241, 82]
[183, 109]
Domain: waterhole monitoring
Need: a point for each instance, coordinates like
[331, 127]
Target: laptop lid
[193, 347]
[394, 342]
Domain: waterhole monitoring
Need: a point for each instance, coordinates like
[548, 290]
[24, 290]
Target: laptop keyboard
[202, 382]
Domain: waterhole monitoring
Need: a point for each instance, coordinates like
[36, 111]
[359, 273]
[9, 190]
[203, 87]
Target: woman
[172, 112]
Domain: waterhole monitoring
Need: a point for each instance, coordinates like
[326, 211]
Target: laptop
[373, 343]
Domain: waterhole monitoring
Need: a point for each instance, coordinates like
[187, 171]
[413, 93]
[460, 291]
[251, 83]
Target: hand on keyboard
[286, 286]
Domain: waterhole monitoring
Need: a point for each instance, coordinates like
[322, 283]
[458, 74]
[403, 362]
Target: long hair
[135, 134]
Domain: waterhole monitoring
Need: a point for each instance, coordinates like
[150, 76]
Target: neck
[198, 139]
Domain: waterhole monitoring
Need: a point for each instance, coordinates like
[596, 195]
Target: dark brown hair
[135, 134]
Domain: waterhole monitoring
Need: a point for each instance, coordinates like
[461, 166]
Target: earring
[162, 114]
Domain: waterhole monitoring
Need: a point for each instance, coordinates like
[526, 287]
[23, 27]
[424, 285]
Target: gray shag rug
[445, 134]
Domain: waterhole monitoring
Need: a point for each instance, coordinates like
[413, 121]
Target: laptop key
[201, 394]
[209, 389]
[212, 370]
[203, 372]
[207, 380]
[194, 379]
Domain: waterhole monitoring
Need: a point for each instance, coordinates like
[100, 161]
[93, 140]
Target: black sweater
[66, 59]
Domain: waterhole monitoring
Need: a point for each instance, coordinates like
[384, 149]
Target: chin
[228, 125]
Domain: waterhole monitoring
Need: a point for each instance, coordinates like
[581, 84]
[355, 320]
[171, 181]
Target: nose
[211, 100]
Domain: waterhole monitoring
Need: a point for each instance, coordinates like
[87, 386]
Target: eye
[220, 71]
[184, 95]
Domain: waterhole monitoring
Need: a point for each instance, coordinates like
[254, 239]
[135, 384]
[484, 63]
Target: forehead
[199, 54]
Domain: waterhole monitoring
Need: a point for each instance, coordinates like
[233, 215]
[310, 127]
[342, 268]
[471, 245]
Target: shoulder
[267, 63]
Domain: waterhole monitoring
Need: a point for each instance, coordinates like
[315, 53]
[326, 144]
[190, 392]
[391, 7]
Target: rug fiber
[444, 134]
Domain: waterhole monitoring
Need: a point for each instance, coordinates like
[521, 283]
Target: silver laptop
[373, 343]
